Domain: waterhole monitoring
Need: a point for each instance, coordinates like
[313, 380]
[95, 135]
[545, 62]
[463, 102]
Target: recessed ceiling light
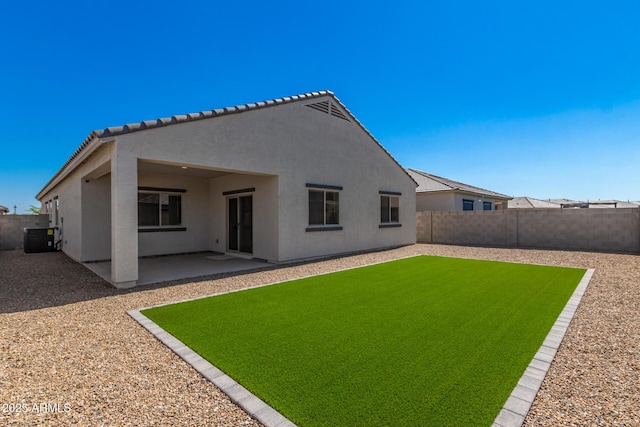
[183, 167]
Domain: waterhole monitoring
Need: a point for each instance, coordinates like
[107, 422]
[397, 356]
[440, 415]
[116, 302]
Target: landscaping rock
[70, 355]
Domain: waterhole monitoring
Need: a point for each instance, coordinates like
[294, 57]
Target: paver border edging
[242, 397]
[519, 403]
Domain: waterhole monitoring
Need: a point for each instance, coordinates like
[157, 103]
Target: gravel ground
[70, 355]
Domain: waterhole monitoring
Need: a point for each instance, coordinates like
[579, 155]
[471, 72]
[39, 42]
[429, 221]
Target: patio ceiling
[175, 169]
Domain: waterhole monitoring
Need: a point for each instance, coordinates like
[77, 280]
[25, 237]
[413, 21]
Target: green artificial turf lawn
[415, 342]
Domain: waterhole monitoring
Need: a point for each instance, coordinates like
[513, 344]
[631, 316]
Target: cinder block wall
[470, 228]
[423, 226]
[12, 229]
[607, 230]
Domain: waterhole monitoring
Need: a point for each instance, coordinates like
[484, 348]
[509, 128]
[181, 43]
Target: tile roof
[190, 117]
[611, 204]
[207, 114]
[530, 203]
[563, 201]
[429, 183]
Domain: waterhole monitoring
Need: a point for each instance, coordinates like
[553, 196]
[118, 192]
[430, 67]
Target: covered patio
[176, 267]
[175, 209]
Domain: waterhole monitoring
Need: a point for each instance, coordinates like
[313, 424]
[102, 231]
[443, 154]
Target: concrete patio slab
[176, 267]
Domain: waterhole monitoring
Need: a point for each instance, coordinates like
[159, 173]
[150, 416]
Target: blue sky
[525, 98]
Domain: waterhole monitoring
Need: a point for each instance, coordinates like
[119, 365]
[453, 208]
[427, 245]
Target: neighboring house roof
[4, 210]
[531, 203]
[431, 183]
[563, 201]
[610, 204]
[208, 114]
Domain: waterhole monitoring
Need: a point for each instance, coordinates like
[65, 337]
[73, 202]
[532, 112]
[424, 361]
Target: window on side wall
[324, 207]
[467, 205]
[487, 206]
[159, 209]
[56, 211]
[389, 209]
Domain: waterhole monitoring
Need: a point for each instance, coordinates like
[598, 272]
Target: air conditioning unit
[39, 239]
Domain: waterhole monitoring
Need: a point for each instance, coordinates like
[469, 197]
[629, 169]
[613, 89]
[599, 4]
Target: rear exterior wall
[300, 146]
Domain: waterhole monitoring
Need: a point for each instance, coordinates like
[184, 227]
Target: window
[389, 209]
[486, 206]
[159, 209]
[56, 210]
[467, 205]
[324, 207]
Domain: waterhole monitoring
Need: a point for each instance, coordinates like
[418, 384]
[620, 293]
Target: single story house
[435, 193]
[531, 203]
[597, 204]
[280, 180]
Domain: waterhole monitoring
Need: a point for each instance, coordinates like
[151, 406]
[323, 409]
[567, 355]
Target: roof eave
[88, 146]
[471, 193]
[113, 131]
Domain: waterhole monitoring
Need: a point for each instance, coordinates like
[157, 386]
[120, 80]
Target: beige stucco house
[280, 180]
[435, 193]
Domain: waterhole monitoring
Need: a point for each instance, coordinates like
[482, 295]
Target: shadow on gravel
[41, 280]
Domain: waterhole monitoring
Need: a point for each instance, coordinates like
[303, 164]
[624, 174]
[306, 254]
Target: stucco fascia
[73, 164]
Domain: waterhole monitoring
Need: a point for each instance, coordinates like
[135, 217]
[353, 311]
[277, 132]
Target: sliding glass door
[240, 224]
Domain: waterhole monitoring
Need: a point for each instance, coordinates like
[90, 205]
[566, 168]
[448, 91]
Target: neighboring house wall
[447, 201]
[608, 230]
[477, 201]
[435, 201]
[12, 229]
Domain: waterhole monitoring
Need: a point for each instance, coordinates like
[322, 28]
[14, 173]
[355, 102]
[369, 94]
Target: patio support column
[124, 217]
